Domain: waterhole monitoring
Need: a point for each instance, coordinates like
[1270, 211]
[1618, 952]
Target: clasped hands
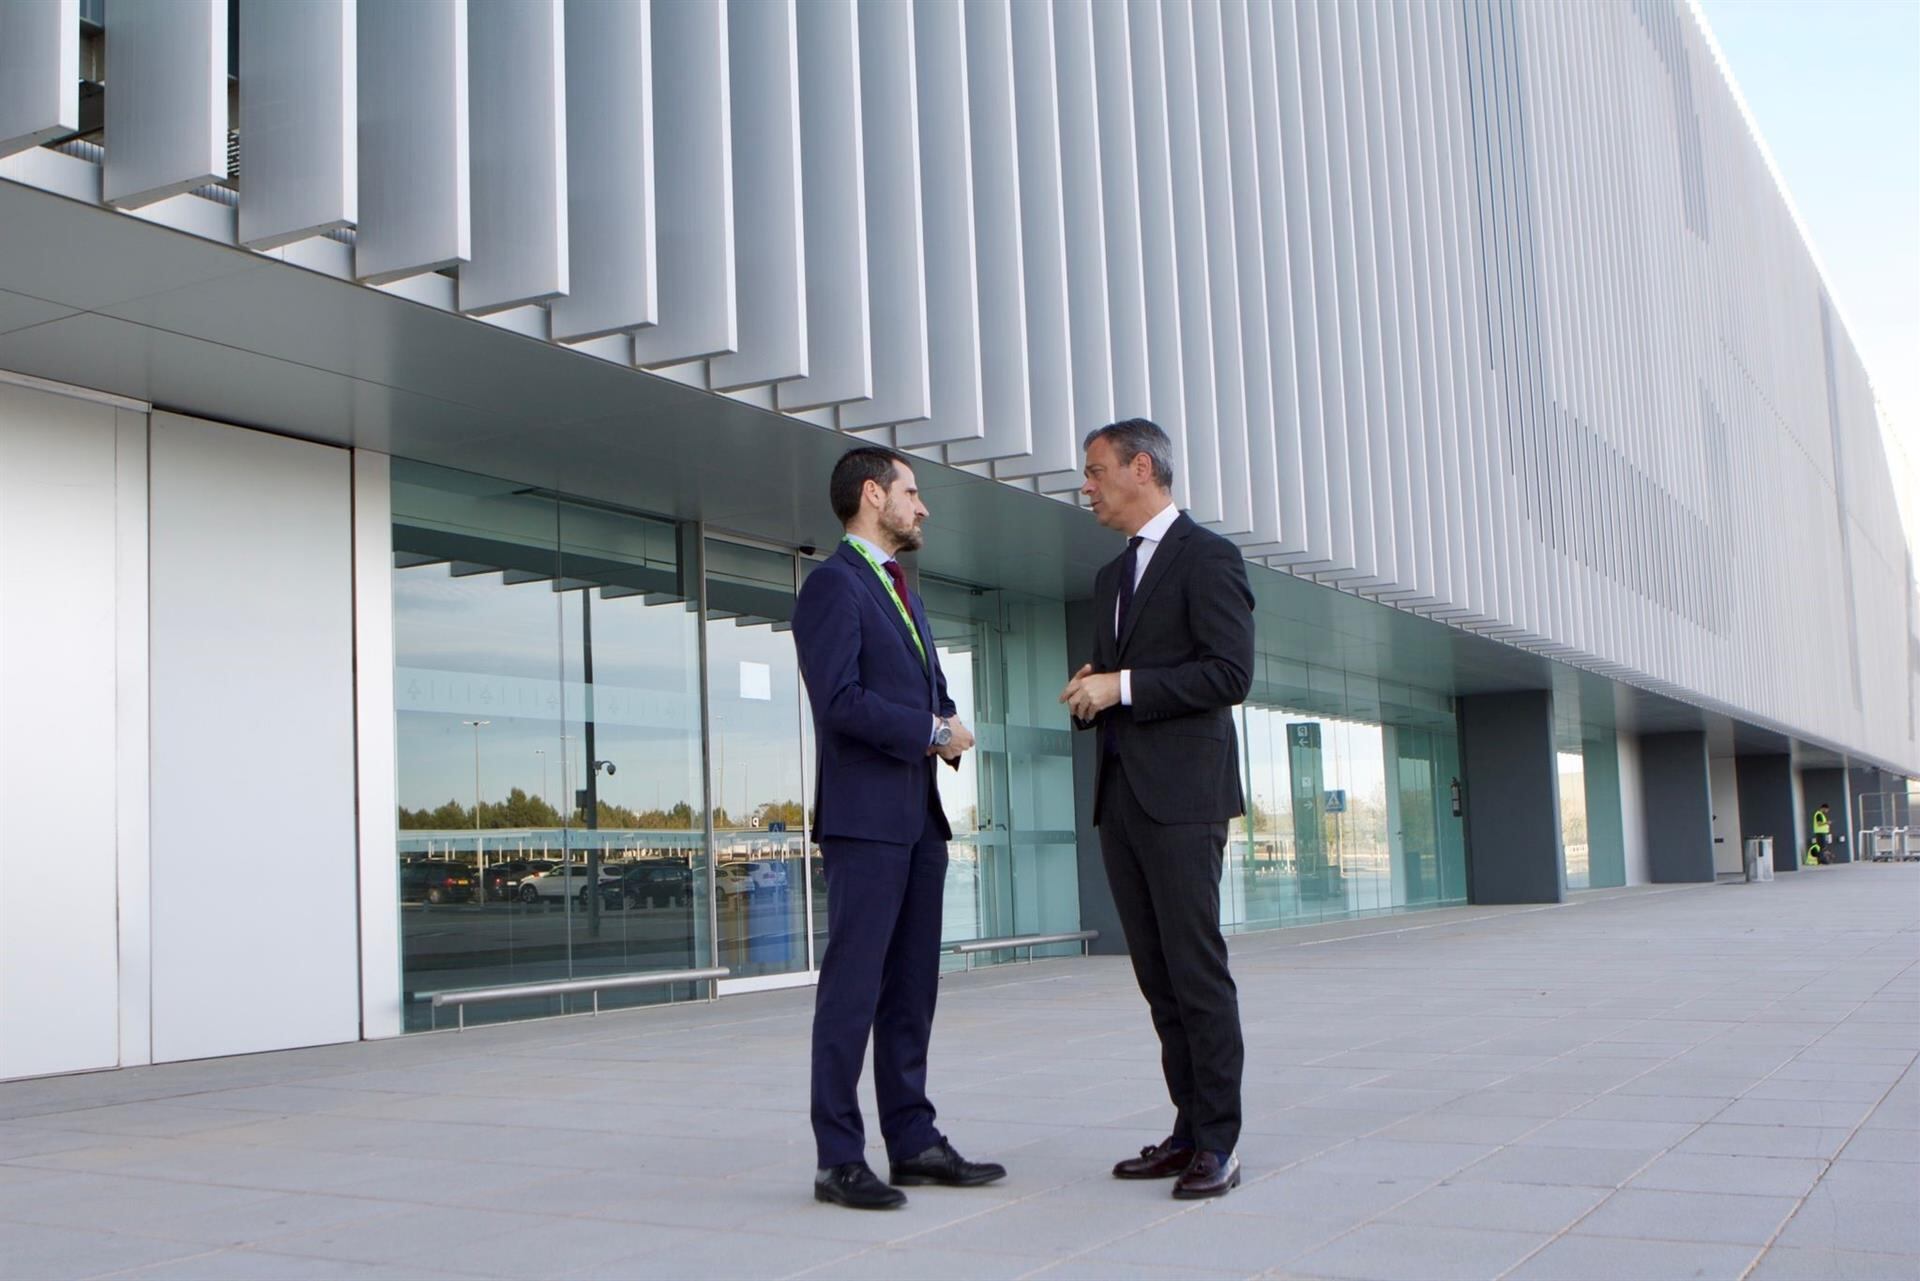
[1089, 692]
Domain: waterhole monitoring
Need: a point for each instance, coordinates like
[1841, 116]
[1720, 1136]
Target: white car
[733, 879]
[569, 881]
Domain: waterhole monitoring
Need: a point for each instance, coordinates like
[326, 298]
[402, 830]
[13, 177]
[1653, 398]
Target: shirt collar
[1156, 529]
[873, 549]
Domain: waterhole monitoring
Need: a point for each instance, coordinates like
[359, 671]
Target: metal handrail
[969, 948]
[461, 998]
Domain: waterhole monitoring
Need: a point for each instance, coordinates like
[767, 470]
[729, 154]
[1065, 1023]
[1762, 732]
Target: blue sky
[1835, 90]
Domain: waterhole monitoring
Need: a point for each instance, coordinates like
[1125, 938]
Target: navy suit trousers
[879, 977]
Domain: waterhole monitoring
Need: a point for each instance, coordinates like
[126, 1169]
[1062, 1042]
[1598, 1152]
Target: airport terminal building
[415, 420]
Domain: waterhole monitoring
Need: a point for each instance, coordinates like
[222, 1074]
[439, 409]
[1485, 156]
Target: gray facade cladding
[1493, 312]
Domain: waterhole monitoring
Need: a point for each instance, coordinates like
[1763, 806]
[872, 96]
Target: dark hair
[856, 467]
[1131, 437]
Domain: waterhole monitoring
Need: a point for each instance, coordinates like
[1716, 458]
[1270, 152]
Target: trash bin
[1758, 858]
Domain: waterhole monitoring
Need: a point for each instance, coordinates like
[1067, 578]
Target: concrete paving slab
[1688, 1081]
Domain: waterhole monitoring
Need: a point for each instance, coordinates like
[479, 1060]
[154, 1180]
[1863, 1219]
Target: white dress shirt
[1150, 535]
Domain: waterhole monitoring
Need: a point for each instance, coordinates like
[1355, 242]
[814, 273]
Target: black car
[435, 881]
[656, 883]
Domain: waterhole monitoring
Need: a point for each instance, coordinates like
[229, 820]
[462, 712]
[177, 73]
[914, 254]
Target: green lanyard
[886, 581]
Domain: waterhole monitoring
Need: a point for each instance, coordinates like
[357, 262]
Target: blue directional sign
[1336, 801]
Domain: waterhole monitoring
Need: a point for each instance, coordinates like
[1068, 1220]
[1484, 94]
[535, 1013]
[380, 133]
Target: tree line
[520, 810]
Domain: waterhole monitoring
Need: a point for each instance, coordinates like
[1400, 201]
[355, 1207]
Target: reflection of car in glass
[503, 879]
[766, 874]
[733, 879]
[435, 881]
[570, 881]
[645, 884]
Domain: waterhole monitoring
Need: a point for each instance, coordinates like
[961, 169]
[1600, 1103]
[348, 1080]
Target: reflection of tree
[519, 810]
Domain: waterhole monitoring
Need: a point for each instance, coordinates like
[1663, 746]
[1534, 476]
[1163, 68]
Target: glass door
[762, 867]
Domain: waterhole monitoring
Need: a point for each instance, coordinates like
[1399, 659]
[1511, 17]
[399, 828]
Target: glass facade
[605, 754]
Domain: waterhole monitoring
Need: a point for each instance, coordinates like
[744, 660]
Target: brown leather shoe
[1161, 1161]
[1211, 1174]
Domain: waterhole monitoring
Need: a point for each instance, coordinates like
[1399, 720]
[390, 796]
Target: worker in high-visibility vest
[1820, 849]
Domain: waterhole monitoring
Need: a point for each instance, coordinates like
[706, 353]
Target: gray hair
[1131, 437]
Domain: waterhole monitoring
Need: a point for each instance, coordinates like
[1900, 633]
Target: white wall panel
[896, 251]
[610, 170]
[519, 147]
[839, 325]
[1160, 265]
[768, 241]
[415, 209]
[299, 117]
[167, 114]
[1007, 424]
[253, 751]
[60, 664]
[693, 185]
[1052, 358]
[1223, 256]
[39, 72]
[1130, 366]
[954, 373]
[376, 745]
[1199, 388]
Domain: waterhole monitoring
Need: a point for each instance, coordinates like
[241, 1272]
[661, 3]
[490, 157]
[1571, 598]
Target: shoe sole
[922, 1181]
[1233, 1181]
[1170, 1174]
[821, 1194]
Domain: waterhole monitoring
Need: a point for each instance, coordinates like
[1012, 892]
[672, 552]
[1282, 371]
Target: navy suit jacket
[873, 705]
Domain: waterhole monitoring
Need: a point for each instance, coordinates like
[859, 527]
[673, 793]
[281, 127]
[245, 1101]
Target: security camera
[808, 549]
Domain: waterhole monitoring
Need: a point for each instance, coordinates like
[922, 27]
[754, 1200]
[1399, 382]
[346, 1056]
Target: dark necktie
[1129, 567]
[1129, 570]
[899, 577]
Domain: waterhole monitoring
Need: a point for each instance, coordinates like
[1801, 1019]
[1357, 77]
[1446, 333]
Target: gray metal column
[1097, 911]
[1828, 787]
[1767, 806]
[1512, 782]
[1862, 780]
[1678, 794]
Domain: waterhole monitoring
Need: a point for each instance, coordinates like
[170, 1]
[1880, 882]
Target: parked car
[657, 881]
[503, 879]
[733, 879]
[435, 881]
[570, 881]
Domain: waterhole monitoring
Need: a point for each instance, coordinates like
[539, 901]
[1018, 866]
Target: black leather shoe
[1211, 1174]
[1163, 1160]
[857, 1187]
[941, 1164]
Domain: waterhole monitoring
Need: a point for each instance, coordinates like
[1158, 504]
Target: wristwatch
[943, 735]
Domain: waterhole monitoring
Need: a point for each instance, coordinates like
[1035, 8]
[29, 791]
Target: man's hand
[1089, 692]
[961, 742]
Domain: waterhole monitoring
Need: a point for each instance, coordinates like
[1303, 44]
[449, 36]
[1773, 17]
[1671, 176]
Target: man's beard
[908, 536]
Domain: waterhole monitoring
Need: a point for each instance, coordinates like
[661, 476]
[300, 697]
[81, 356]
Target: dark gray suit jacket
[1189, 645]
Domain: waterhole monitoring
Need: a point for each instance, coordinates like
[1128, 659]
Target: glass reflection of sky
[479, 625]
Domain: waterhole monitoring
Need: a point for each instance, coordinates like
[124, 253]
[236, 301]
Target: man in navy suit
[882, 717]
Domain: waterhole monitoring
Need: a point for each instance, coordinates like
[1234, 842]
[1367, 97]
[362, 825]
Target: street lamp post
[479, 859]
[541, 752]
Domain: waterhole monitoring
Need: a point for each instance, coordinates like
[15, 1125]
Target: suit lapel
[1106, 587]
[1162, 563]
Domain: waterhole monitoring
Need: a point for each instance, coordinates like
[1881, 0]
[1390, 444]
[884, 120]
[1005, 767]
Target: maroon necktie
[899, 578]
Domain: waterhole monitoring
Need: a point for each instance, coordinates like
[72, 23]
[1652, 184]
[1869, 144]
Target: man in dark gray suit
[1172, 655]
